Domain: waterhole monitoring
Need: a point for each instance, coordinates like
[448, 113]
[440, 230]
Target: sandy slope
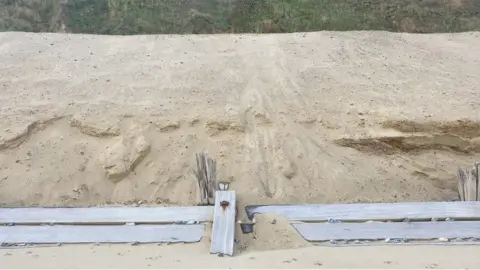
[317, 117]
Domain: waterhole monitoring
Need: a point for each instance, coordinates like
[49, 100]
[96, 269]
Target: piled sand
[317, 117]
[270, 232]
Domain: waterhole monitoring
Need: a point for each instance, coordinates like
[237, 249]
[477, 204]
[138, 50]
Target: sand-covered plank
[105, 215]
[101, 234]
[371, 211]
[223, 231]
[384, 230]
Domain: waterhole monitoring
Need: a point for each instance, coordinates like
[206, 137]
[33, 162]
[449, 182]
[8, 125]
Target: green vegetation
[125, 17]
[30, 15]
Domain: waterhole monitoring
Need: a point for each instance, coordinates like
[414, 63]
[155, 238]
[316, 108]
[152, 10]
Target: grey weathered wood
[433, 242]
[206, 175]
[477, 181]
[470, 186]
[101, 234]
[381, 230]
[373, 211]
[105, 215]
[461, 184]
[223, 231]
[468, 183]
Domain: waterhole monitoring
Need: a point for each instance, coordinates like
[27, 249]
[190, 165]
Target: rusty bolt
[224, 204]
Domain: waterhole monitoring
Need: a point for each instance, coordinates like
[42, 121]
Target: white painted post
[223, 231]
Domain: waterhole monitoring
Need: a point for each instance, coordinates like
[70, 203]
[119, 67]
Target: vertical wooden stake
[461, 184]
[223, 229]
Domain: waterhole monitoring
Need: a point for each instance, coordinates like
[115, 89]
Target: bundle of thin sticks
[468, 183]
[206, 178]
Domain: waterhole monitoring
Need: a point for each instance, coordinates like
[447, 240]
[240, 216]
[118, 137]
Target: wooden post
[461, 184]
[470, 186]
[223, 229]
[468, 183]
[477, 179]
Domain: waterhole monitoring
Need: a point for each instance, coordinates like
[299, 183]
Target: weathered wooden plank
[477, 181]
[373, 211]
[206, 178]
[223, 231]
[384, 230]
[470, 185]
[101, 234]
[432, 242]
[461, 184]
[105, 215]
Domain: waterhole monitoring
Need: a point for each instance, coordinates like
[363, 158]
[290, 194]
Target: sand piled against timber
[316, 117]
[270, 232]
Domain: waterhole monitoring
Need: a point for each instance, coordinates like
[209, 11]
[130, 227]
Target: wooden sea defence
[381, 221]
[411, 221]
[315, 222]
[105, 215]
[40, 225]
[103, 224]
[223, 230]
[72, 234]
[371, 211]
[224, 209]
[394, 230]
[468, 183]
